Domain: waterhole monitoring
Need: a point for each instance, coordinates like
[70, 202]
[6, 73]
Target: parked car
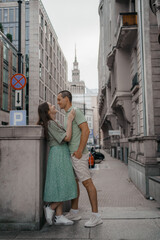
[97, 155]
[98, 147]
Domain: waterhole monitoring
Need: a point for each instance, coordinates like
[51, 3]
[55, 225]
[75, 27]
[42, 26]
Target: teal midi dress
[60, 184]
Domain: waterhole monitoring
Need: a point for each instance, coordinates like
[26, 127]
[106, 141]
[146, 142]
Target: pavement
[126, 214]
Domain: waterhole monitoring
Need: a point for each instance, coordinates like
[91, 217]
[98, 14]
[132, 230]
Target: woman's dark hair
[66, 93]
[44, 117]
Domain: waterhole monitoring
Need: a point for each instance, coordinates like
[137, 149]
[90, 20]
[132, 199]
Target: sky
[76, 22]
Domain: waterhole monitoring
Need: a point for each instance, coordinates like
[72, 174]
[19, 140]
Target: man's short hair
[66, 93]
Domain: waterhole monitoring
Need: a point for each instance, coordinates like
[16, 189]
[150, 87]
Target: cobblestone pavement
[114, 187]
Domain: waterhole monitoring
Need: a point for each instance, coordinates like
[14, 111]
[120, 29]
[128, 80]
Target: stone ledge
[21, 132]
[155, 178]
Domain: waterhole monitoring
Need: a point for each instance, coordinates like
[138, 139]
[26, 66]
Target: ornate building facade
[129, 82]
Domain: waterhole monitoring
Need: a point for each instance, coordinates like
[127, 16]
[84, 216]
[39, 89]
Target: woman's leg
[54, 205]
[59, 209]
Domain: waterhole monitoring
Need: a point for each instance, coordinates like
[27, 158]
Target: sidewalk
[126, 214]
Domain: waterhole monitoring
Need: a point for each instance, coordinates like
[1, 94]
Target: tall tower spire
[75, 71]
[75, 54]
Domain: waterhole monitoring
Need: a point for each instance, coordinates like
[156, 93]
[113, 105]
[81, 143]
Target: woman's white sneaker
[93, 221]
[62, 220]
[48, 212]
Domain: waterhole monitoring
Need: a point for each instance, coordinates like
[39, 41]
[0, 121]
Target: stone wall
[22, 171]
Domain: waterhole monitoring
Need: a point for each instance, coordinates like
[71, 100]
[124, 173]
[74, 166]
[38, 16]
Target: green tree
[1, 27]
[9, 36]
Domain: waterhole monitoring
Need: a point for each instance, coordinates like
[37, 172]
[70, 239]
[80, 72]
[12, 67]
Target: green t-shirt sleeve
[79, 118]
[56, 132]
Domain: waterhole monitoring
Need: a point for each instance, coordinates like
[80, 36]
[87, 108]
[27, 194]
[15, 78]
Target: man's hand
[77, 154]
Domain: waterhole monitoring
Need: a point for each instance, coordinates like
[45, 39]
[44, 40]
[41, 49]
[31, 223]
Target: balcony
[126, 30]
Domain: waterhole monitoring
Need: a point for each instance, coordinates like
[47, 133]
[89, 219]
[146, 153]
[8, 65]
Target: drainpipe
[142, 66]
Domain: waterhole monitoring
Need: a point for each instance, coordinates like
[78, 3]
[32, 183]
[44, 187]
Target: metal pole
[19, 36]
[19, 54]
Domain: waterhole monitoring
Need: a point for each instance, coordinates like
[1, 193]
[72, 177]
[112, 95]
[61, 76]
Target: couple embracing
[67, 163]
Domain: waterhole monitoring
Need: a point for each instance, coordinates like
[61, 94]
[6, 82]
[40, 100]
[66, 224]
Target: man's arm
[83, 141]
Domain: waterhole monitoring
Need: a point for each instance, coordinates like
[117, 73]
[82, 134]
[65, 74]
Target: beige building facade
[46, 66]
[8, 67]
[129, 84]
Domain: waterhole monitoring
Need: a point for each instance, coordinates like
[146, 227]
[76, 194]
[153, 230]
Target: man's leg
[92, 194]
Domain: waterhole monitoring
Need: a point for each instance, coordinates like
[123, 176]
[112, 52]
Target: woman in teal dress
[60, 184]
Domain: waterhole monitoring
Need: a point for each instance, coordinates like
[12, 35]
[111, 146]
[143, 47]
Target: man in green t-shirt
[79, 155]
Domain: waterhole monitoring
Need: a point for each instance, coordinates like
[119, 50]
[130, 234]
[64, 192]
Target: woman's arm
[71, 116]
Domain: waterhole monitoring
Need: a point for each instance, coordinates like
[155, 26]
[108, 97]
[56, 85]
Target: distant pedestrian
[79, 154]
[60, 184]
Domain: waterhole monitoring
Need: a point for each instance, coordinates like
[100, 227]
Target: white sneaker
[62, 220]
[48, 212]
[93, 221]
[73, 216]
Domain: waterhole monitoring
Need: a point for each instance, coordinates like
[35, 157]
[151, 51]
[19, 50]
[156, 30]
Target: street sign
[18, 98]
[18, 118]
[114, 132]
[18, 81]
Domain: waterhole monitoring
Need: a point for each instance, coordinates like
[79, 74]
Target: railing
[126, 19]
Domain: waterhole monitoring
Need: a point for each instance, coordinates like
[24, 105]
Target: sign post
[18, 82]
[18, 118]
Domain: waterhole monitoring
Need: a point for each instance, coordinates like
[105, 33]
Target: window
[11, 32]
[27, 33]
[137, 115]
[5, 98]
[11, 15]
[46, 45]
[50, 38]
[47, 62]
[27, 14]
[14, 61]
[5, 15]
[16, 14]
[41, 37]
[5, 29]
[13, 99]
[40, 70]
[5, 53]
[41, 21]
[45, 29]
[5, 76]
[16, 33]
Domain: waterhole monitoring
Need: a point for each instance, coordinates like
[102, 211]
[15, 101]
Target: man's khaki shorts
[81, 168]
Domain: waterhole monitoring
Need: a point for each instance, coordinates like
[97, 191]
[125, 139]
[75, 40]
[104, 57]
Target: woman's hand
[72, 115]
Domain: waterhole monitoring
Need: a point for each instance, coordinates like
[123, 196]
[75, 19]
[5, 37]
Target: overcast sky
[77, 22]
